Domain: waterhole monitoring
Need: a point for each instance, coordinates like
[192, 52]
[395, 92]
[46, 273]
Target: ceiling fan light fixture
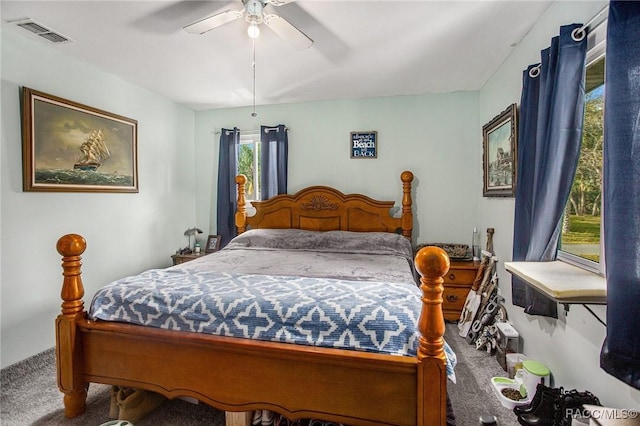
[254, 13]
[253, 30]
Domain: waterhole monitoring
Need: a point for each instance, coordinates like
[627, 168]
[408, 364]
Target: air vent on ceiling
[42, 31]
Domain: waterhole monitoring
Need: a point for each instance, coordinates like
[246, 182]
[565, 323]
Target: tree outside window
[249, 165]
[582, 219]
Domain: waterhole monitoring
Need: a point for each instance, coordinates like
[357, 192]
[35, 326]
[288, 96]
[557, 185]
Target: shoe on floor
[134, 404]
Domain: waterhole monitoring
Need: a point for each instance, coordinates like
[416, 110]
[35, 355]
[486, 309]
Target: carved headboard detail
[319, 203]
[322, 208]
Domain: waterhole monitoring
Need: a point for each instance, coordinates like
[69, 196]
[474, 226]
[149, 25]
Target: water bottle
[475, 244]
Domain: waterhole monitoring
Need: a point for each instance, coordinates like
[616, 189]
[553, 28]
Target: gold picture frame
[70, 147]
[500, 149]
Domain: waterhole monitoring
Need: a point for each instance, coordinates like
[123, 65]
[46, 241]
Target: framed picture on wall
[364, 144]
[213, 244]
[70, 147]
[499, 140]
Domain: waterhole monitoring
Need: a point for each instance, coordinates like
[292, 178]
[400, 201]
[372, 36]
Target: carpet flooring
[30, 395]
[472, 395]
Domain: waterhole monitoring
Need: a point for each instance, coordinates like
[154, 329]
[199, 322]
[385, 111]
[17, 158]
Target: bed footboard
[349, 387]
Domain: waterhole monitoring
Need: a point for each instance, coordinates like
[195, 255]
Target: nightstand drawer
[453, 298]
[457, 283]
[460, 276]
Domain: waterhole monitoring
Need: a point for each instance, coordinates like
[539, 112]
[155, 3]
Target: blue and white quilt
[365, 315]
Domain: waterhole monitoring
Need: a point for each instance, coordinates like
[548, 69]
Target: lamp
[189, 232]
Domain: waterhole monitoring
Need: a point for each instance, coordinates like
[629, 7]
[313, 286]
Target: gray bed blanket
[354, 256]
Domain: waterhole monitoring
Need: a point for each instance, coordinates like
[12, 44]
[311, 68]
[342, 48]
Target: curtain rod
[594, 22]
[267, 130]
[579, 33]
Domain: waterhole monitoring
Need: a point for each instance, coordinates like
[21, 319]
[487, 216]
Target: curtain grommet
[534, 72]
[578, 34]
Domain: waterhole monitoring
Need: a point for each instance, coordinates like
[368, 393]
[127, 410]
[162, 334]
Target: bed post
[407, 215]
[68, 344]
[241, 210]
[432, 263]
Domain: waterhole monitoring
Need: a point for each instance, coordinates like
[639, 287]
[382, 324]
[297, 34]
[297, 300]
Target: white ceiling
[362, 48]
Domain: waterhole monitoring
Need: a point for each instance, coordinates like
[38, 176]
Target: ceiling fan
[254, 14]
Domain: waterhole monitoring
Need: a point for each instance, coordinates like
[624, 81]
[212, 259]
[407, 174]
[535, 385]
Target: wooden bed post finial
[241, 210]
[71, 247]
[407, 214]
[68, 345]
[432, 263]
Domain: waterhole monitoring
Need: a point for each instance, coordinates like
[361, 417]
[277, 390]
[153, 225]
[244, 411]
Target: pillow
[331, 241]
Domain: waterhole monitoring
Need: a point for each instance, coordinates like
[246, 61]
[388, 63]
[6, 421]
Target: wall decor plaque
[364, 144]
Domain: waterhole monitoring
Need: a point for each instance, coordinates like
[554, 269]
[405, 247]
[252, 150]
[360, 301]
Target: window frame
[253, 138]
[596, 49]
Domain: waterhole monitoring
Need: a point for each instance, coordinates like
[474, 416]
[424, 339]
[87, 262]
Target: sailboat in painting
[94, 152]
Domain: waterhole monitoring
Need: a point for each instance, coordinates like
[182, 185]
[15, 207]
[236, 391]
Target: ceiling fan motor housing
[254, 9]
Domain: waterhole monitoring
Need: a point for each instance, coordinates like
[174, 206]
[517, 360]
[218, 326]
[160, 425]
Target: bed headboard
[321, 208]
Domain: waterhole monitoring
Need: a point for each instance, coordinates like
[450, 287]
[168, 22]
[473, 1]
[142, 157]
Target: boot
[540, 389]
[134, 404]
[543, 414]
[571, 404]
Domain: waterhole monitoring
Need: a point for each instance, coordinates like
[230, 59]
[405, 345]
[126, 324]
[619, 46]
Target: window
[249, 163]
[580, 241]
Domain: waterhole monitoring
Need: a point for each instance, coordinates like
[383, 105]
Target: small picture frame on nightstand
[213, 244]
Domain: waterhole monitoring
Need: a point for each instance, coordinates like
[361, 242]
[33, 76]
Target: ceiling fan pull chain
[253, 65]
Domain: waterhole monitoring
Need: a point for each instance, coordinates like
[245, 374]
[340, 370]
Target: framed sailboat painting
[70, 147]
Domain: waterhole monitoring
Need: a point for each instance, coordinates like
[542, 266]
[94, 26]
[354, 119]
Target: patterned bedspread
[264, 286]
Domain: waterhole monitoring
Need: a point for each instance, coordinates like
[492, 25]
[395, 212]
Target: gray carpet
[472, 395]
[30, 395]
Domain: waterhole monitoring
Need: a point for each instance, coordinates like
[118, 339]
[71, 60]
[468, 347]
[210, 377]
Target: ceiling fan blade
[213, 21]
[287, 31]
[279, 2]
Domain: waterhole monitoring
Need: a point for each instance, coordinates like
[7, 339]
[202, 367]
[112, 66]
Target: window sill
[561, 281]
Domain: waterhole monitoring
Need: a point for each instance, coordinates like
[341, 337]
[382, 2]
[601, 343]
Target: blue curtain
[549, 137]
[620, 355]
[227, 171]
[274, 155]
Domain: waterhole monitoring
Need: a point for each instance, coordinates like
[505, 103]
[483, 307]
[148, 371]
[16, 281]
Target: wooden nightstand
[457, 283]
[181, 258]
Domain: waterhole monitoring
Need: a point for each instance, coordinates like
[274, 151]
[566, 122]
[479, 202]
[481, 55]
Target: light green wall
[438, 137]
[569, 346]
[434, 136]
[125, 233]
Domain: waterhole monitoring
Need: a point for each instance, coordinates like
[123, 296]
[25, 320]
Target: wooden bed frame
[238, 375]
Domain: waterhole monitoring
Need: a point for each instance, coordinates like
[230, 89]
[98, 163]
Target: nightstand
[181, 258]
[457, 283]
